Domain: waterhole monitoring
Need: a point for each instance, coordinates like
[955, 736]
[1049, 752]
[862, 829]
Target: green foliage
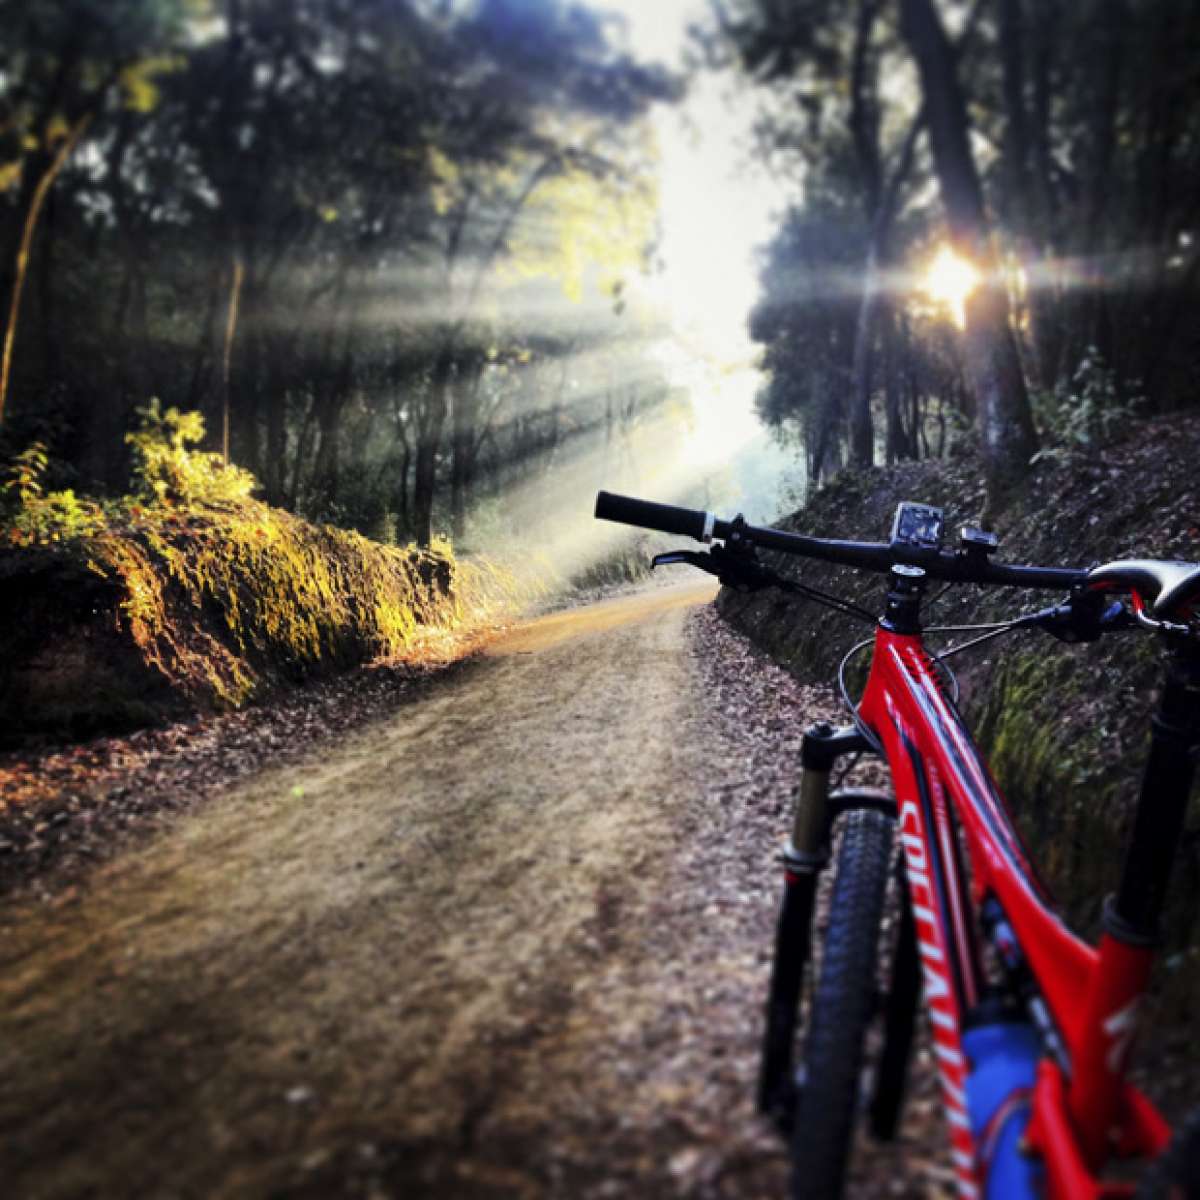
[26, 473]
[579, 222]
[33, 517]
[169, 611]
[137, 81]
[1087, 412]
[168, 471]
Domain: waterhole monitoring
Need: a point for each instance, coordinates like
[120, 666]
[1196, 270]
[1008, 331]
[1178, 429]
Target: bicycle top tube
[955, 566]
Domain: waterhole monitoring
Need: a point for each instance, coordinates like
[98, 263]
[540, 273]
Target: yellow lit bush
[167, 470]
[191, 594]
[37, 518]
[224, 603]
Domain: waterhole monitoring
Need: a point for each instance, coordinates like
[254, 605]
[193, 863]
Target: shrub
[166, 470]
[1086, 413]
[34, 517]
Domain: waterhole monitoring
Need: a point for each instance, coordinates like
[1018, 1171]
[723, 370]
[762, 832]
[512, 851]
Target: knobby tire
[843, 1003]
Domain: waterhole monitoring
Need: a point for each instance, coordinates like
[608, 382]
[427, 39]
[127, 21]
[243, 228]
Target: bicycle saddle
[1167, 588]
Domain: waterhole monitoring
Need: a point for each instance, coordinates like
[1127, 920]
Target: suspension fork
[803, 859]
[1132, 917]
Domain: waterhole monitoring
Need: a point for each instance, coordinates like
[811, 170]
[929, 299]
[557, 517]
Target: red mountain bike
[1031, 1026]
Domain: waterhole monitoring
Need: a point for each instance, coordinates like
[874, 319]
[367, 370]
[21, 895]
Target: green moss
[213, 606]
[273, 595]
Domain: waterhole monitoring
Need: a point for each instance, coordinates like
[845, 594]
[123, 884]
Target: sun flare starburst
[950, 279]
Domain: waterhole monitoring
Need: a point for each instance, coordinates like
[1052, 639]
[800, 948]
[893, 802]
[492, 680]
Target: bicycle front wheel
[843, 1002]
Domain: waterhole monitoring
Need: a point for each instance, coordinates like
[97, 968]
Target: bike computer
[917, 525]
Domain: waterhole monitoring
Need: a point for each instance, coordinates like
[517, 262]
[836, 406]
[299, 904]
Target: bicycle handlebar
[687, 522]
[953, 566]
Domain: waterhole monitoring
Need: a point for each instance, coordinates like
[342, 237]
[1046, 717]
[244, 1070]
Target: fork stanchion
[805, 854]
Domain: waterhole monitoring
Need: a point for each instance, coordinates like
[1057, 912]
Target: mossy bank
[173, 610]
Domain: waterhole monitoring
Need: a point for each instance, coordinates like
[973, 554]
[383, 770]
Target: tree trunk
[198, 388]
[429, 437]
[1110, 32]
[898, 443]
[1005, 421]
[862, 429]
[246, 384]
[403, 516]
[274, 473]
[864, 130]
[1173, 33]
[231, 319]
[1021, 199]
[1046, 302]
[21, 264]
[303, 443]
[327, 469]
[463, 444]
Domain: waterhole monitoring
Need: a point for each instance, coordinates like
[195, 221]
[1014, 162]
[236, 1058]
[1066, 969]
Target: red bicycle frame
[1082, 1106]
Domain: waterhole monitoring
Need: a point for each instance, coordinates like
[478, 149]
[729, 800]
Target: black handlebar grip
[687, 522]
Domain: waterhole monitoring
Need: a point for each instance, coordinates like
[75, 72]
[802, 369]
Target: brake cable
[937, 656]
[739, 570]
[847, 608]
[994, 632]
[863, 728]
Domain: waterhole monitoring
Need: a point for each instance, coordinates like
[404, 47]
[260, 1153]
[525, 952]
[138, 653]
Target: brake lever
[734, 569]
[1082, 617]
[694, 558]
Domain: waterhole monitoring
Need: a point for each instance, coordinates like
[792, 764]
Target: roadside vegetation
[188, 594]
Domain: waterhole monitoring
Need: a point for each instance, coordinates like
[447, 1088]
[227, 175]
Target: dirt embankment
[171, 611]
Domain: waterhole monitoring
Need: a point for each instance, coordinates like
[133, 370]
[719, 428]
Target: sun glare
[949, 280]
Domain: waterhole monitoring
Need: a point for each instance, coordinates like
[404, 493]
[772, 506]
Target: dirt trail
[377, 972]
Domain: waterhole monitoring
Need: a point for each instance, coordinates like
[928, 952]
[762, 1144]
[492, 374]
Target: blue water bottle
[1003, 1055]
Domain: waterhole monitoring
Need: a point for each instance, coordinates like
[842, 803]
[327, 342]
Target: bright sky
[716, 209]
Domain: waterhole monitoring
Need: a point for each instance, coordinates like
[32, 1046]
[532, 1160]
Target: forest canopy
[1054, 148]
[389, 249]
[368, 240]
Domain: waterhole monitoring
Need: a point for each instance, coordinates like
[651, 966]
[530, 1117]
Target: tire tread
[843, 1004]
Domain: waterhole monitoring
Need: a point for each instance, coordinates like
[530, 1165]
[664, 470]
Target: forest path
[381, 971]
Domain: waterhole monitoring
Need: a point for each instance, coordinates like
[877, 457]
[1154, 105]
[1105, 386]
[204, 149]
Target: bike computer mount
[921, 527]
[917, 526]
